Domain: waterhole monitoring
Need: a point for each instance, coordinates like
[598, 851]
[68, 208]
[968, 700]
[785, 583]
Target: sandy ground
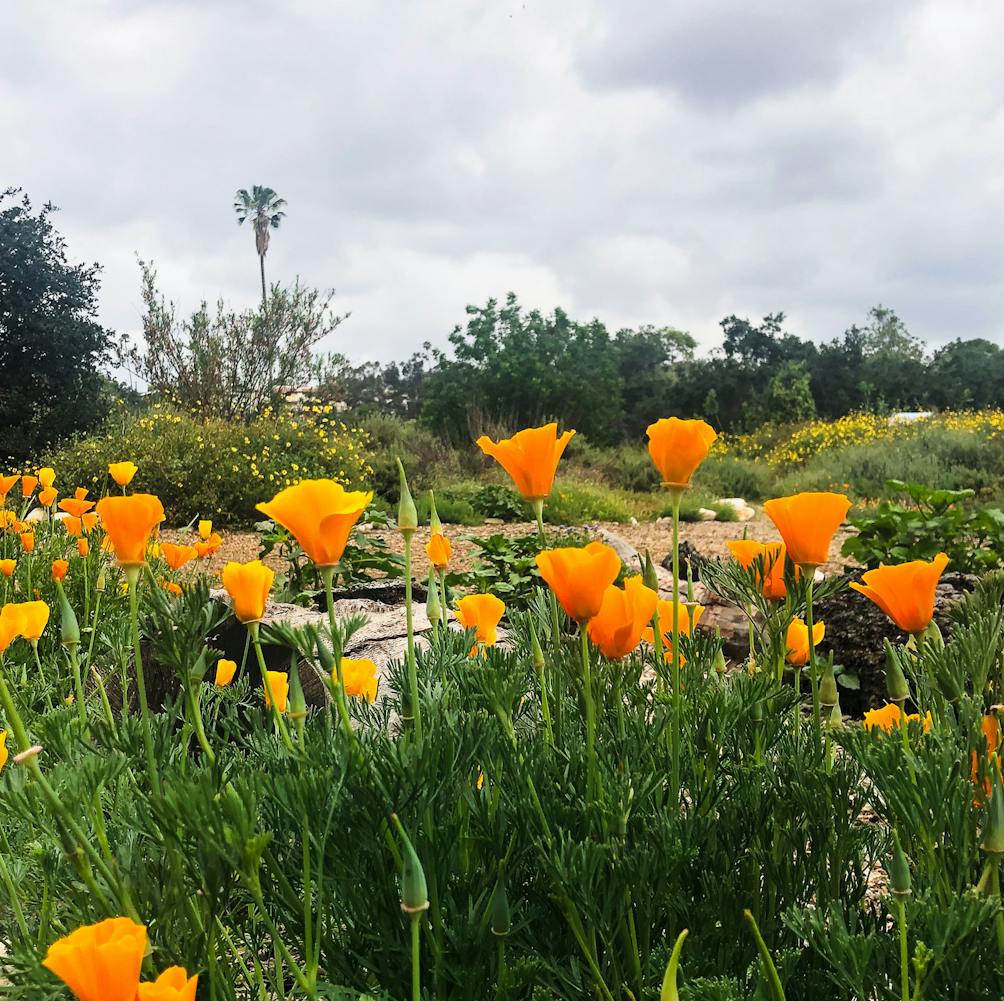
[708, 537]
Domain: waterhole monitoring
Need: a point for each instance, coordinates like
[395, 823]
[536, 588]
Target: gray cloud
[640, 161]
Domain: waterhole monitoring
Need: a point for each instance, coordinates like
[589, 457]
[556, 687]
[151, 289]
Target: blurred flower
[482, 613]
[889, 716]
[225, 671]
[129, 522]
[209, 546]
[807, 523]
[4, 753]
[177, 556]
[248, 585]
[320, 514]
[122, 472]
[100, 962]
[47, 496]
[685, 617]
[530, 457]
[991, 730]
[905, 592]
[89, 520]
[6, 483]
[678, 447]
[359, 677]
[75, 507]
[172, 588]
[278, 682]
[83, 547]
[173, 984]
[623, 616]
[47, 476]
[205, 530]
[28, 541]
[7, 567]
[580, 577]
[28, 484]
[439, 550]
[59, 570]
[748, 553]
[11, 623]
[80, 493]
[74, 526]
[796, 641]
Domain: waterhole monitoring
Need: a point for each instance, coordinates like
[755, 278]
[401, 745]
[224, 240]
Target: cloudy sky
[643, 161]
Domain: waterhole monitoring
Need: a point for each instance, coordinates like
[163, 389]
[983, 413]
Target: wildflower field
[580, 798]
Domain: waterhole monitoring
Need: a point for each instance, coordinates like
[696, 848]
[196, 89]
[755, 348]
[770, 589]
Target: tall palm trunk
[264, 294]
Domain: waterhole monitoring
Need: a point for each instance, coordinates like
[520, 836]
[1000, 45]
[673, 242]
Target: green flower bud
[828, 696]
[407, 515]
[993, 828]
[896, 685]
[650, 577]
[690, 582]
[535, 649]
[68, 620]
[99, 585]
[297, 700]
[414, 891]
[435, 525]
[933, 636]
[669, 991]
[501, 920]
[433, 606]
[836, 716]
[899, 869]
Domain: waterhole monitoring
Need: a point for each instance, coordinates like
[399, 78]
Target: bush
[733, 476]
[627, 466]
[572, 503]
[215, 468]
[451, 508]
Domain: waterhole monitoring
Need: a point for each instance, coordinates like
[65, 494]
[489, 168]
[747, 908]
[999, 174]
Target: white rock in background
[706, 514]
[738, 504]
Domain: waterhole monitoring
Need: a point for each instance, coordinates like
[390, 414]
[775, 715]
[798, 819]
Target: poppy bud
[435, 525]
[99, 584]
[899, 869]
[828, 697]
[720, 665]
[896, 685]
[414, 891]
[297, 700]
[836, 716]
[932, 635]
[433, 606]
[407, 515]
[690, 582]
[68, 620]
[993, 829]
[501, 920]
[535, 649]
[669, 990]
[649, 575]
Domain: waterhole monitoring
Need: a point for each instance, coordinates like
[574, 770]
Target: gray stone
[626, 552]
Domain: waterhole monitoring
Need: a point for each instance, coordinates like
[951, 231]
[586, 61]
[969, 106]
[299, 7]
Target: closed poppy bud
[83, 547]
[122, 472]
[174, 984]
[650, 575]
[277, 682]
[899, 869]
[579, 578]
[433, 606]
[28, 542]
[807, 523]
[828, 685]
[7, 567]
[297, 700]
[414, 890]
[905, 592]
[678, 447]
[28, 484]
[501, 919]
[435, 525]
[248, 585]
[59, 570]
[47, 476]
[47, 496]
[896, 685]
[70, 630]
[225, 671]
[100, 962]
[99, 584]
[205, 529]
[407, 513]
[530, 457]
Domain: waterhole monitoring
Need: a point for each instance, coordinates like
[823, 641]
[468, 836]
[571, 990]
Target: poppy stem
[538, 510]
[132, 576]
[280, 723]
[416, 709]
[904, 949]
[676, 495]
[817, 725]
[590, 714]
[327, 576]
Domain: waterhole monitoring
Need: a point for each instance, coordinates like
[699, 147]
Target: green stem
[995, 886]
[15, 900]
[78, 683]
[279, 721]
[538, 510]
[416, 971]
[677, 496]
[904, 950]
[94, 629]
[132, 576]
[817, 724]
[327, 574]
[590, 713]
[416, 709]
[195, 711]
[775, 990]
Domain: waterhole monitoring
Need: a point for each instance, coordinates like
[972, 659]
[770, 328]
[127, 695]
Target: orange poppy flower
[129, 523]
[122, 472]
[100, 962]
[481, 612]
[992, 736]
[28, 541]
[905, 592]
[225, 671]
[89, 521]
[278, 684]
[11, 623]
[205, 529]
[320, 514]
[807, 523]
[359, 677]
[59, 570]
[73, 526]
[623, 616]
[796, 641]
[80, 493]
[6, 483]
[248, 585]
[34, 618]
[177, 556]
[75, 506]
[28, 484]
[172, 588]
[174, 984]
[889, 716]
[439, 550]
[678, 447]
[83, 547]
[208, 546]
[530, 457]
[7, 567]
[579, 578]
[47, 476]
[747, 552]
[684, 615]
[4, 753]
[47, 496]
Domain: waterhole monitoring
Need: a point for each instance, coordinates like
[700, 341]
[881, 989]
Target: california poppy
[4, 753]
[205, 529]
[28, 484]
[749, 555]
[991, 729]
[481, 612]
[177, 556]
[122, 472]
[320, 514]
[89, 520]
[686, 617]
[359, 677]
[248, 585]
[28, 541]
[623, 617]
[807, 523]
[47, 476]
[530, 457]
[206, 547]
[34, 618]
[889, 718]
[174, 984]
[678, 447]
[59, 570]
[129, 523]
[225, 671]
[6, 483]
[74, 526]
[11, 624]
[905, 592]
[278, 684]
[7, 567]
[796, 641]
[100, 962]
[83, 547]
[580, 577]
[75, 506]
[47, 496]
[80, 493]
[439, 550]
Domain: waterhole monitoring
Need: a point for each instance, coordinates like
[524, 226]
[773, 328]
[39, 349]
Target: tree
[967, 374]
[264, 208]
[52, 348]
[232, 364]
[649, 361]
[789, 397]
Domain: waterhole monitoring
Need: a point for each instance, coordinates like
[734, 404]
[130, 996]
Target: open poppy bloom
[439, 550]
[6, 483]
[678, 447]
[481, 612]
[75, 506]
[74, 526]
[59, 570]
[277, 685]
[177, 556]
[47, 476]
[100, 962]
[28, 484]
[47, 496]
[225, 671]
[320, 514]
[807, 523]
[122, 472]
[890, 717]
[34, 618]
[359, 677]
[206, 547]
[579, 578]
[796, 641]
[174, 984]
[129, 522]
[28, 541]
[89, 521]
[686, 617]
[530, 457]
[11, 624]
[248, 585]
[7, 567]
[623, 617]
[748, 554]
[905, 592]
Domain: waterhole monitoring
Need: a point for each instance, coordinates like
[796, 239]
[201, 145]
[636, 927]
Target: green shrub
[627, 467]
[215, 468]
[733, 476]
[572, 503]
[452, 509]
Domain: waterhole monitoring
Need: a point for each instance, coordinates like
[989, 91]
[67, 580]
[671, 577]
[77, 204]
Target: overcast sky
[635, 160]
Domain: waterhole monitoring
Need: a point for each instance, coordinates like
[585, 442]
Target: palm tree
[264, 208]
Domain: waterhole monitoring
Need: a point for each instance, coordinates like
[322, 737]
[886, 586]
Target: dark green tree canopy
[52, 349]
